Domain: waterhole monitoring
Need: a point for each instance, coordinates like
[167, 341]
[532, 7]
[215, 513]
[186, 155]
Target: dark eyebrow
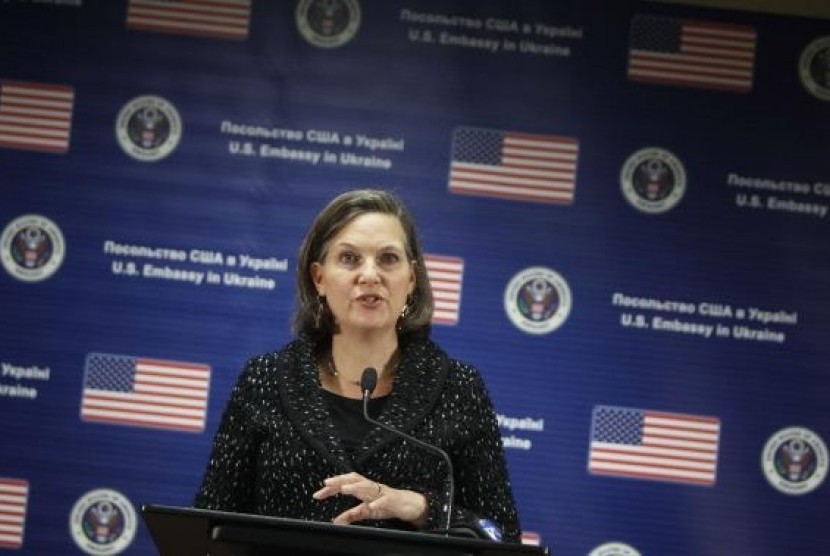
[344, 244]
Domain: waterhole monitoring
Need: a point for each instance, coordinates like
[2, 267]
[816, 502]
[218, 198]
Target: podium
[179, 531]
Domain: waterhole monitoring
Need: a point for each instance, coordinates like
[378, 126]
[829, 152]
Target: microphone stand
[368, 382]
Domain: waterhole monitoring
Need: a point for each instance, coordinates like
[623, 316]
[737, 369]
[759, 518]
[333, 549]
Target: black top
[347, 414]
[277, 442]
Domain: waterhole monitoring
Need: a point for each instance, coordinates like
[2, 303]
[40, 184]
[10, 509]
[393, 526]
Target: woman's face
[366, 275]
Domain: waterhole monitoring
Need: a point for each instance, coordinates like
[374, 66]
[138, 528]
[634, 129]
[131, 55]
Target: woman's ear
[316, 272]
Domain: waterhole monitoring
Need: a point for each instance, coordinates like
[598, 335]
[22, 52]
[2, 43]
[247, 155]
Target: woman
[293, 441]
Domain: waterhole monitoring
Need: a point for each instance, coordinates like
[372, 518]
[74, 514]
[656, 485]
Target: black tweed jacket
[276, 442]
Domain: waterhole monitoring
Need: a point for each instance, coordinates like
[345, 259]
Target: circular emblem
[614, 549]
[653, 180]
[328, 23]
[102, 522]
[814, 68]
[795, 460]
[148, 128]
[537, 300]
[32, 248]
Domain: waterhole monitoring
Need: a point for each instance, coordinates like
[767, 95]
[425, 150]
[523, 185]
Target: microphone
[368, 383]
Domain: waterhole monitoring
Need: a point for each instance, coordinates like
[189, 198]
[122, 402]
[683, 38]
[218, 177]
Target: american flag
[445, 274]
[511, 165]
[35, 116]
[225, 19]
[654, 445]
[14, 494]
[145, 392]
[692, 53]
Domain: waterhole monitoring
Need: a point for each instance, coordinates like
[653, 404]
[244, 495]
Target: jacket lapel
[302, 399]
[418, 383]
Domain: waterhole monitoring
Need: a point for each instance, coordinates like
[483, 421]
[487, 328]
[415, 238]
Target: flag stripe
[510, 192]
[39, 131]
[682, 60]
[225, 19]
[178, 393]
[672, 462]
[559, 181]
[12, 507]
[530, 538]
[185, 383]
[444, 317]
[654, 445]
[445, 276]
[678, 453]
[692, 53]
[658, 466]
[681, 77]
[690, 69]
[173, 368]
[636, 474]
[145, 392]
[132, 420]
[658, 417]
[14, 494]
[162, 403]
[35, 116]
[114, 407]
[447, 297]
[445, 279]
[55, 124]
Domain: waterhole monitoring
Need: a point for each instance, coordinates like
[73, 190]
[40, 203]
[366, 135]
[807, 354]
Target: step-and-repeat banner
[624, 207]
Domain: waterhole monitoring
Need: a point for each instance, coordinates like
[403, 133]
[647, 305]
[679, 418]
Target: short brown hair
[328, 223]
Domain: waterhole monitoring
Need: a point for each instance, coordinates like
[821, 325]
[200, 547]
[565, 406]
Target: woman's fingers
[352, 484]
[358, 513]
[378, 501]
[365, 490]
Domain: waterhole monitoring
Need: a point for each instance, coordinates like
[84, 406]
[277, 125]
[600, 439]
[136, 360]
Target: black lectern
[193, 532]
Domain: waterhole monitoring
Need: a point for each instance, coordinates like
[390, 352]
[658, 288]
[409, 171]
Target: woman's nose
[369, 272]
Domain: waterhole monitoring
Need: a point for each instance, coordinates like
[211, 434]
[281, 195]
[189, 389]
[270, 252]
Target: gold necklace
[331, 369]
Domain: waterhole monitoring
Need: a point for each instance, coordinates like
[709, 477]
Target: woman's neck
[353, 353]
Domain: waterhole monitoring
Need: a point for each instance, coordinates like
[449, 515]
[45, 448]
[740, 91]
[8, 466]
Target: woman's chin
[369, 325]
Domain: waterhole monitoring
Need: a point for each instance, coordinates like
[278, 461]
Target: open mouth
[369, 299]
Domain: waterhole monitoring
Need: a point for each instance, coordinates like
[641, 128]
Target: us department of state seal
[653, 180]
[614, 549]
[32, 248]
[103, 522]
[148, 128]
[328, 23]
[795, 460]
[537, 300]
[814, 68]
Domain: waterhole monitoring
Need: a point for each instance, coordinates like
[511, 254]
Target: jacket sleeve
[229, 477]
[482, 484]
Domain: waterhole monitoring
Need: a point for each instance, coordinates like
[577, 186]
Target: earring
[407, 308]
[318, 314]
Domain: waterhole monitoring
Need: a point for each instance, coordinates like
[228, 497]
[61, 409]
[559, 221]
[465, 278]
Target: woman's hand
[378, 500]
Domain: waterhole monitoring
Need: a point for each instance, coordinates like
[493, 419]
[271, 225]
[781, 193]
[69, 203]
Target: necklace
[331, 369]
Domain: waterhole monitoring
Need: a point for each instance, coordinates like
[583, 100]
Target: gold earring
[407, 307]
[318, 314]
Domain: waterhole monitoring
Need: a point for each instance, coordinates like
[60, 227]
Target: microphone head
[369, 380]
